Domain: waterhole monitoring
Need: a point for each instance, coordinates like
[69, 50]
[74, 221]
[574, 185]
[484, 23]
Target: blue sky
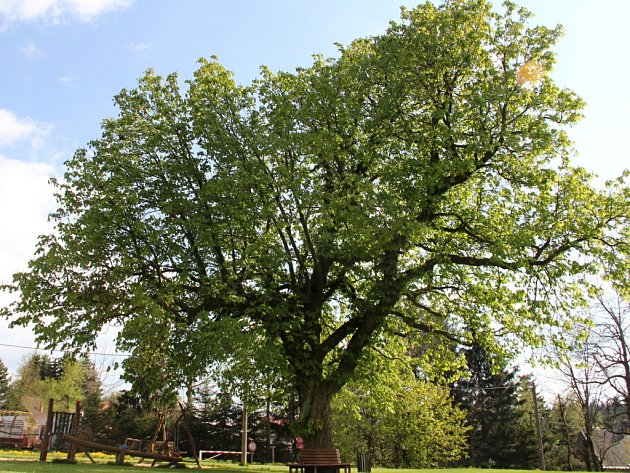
[62, 61]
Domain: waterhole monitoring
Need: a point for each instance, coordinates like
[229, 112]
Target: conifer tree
[499, 436]
[5, 386]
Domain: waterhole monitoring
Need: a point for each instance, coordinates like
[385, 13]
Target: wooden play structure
[121, 452]
[67, 425]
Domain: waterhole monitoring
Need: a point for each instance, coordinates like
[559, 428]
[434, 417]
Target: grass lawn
[23, 462]
[36, 467]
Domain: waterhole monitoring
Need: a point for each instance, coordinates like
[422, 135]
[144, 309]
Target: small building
[18, 429]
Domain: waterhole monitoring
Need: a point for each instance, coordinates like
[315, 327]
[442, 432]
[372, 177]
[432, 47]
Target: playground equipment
[67, 425]
[121, 452]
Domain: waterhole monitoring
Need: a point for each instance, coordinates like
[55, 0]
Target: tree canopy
[418, 184]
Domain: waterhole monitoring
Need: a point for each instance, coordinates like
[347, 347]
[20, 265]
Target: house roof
[34, 406]
[612, 449]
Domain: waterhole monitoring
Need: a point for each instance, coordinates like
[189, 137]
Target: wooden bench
[314, 458]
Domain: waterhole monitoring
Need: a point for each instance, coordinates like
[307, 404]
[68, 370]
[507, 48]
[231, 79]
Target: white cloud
[31, 50]
[88, 10]
[140, 47]
[70, 80]
[26, 199]
[56, 11]
[14, 128]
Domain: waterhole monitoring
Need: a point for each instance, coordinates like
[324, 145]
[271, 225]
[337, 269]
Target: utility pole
[541, 452]
[244, 437]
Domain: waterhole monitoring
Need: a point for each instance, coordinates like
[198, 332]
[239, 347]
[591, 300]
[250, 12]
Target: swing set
[67, 425]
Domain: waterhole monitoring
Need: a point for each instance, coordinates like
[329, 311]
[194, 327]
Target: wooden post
[120, 458]
[193, 445]
[72, 451]
[43, 454]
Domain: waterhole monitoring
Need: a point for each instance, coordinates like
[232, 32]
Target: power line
[489, 388]
[126, 355]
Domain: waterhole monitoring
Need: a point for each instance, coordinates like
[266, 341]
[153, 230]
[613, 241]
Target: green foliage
[419, 181]
[563, 437]
[502, 431]
[65, 380]
[6, 397]
[398, 420]
[127, 415]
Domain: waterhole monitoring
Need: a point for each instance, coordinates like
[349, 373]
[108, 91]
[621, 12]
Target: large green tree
[419, 183]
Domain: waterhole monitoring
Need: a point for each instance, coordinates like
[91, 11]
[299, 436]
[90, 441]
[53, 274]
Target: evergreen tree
[500, 436]
[95, 418]
[5, 386]
[270, 427]
[217, 421]
[224, 425]
[203, 407]
[130, 417]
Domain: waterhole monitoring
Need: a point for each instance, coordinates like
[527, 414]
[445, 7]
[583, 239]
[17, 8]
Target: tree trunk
[567, 433]
[316, 414]
[268, 429]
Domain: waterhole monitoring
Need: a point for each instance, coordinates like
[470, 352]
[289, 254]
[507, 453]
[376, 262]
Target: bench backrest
[319, 456]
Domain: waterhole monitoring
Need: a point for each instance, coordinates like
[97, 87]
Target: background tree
[500, 434]
[95, 417]
[224, 424]
[7, 400]
[202, 411]
[218, 410]
[612, 355]
[130, 416]
[563, 427]
[65, 380]
[397, 419]
[578, 368]
[29, 378]
[420, 180]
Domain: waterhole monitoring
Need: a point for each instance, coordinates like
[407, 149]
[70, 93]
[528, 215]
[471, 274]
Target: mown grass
[26, 462]
[36, 467]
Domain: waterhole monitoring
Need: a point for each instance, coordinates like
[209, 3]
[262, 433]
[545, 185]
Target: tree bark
[567, 434]
[268, 430]
[316, 414]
